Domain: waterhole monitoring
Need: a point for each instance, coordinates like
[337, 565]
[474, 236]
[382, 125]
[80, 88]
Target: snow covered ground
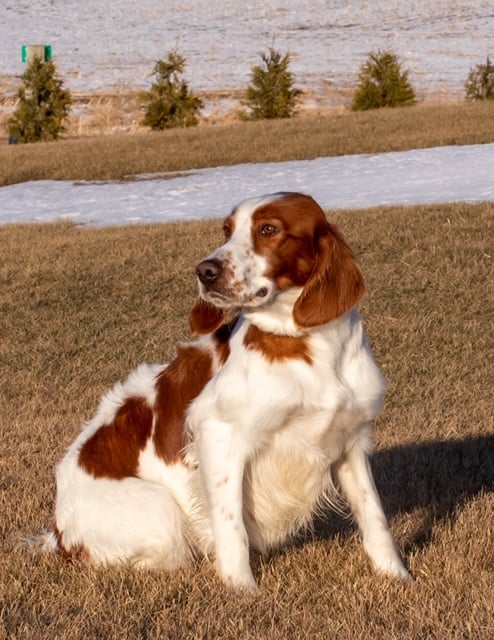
[98, 44]
[443, 174]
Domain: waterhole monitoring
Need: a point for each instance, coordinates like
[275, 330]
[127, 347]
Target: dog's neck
[276, 316]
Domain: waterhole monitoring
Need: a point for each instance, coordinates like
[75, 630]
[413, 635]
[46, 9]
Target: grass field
[308, 136]
[80, 307]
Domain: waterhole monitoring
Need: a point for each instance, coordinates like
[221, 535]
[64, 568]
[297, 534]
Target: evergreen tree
[382, 83]
[480, 82]
[271, 93]
[43, 104]
[169, 103]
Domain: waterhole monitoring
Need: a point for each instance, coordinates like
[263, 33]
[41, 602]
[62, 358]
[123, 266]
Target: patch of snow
[442, 174]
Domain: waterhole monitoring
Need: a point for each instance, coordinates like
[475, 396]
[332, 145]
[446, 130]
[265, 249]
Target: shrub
[480, 82]
[169, 103]
[271, 93]
[43, 105]
[382, 83]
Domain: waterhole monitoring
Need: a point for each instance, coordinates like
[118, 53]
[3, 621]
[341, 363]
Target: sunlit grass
[304, 137]
[81, 307]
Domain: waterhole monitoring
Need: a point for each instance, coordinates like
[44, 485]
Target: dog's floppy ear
[335, 284]
[205, 318]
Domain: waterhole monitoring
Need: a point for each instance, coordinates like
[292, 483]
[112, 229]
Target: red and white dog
[235, 443]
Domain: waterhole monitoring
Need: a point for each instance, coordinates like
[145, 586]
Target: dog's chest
[282, 487]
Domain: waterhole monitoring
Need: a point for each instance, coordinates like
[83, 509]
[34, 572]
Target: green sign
[42, 51]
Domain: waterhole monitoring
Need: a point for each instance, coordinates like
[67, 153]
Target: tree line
[44, 104]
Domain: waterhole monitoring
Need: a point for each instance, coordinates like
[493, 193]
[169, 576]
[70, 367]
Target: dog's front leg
[222, 454]
[355, 478]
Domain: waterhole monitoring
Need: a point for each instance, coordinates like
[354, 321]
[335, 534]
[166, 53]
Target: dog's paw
[394, 568]
[243, 583]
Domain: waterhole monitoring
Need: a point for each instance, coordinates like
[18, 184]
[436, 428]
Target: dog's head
[274, 243]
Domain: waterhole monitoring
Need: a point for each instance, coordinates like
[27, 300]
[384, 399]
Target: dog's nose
[208, 271]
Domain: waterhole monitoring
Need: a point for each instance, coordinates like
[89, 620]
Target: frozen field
[99, 45]
[445, 174]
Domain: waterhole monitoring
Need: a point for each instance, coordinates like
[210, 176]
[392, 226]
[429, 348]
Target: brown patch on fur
[277, 348]
[179, 383]
[113, 451]
[229, 225]
[76, 552]
[290, 253]
[308, 252]
[335, 284]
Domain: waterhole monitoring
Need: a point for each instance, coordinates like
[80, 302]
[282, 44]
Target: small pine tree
[43, 104]
[271, 93]
[169, 103]
[382, 83]
[480, 82]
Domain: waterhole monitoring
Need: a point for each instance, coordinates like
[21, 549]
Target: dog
[253, 427]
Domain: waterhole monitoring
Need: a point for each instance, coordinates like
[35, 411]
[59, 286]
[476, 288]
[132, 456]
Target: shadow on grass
[436, 477]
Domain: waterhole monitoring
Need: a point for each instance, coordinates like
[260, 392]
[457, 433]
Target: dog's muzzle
[209, 272]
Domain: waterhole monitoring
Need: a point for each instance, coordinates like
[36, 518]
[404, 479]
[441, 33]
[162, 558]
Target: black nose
[208, 271]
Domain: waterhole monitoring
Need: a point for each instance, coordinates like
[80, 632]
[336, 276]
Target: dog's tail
[44, 542]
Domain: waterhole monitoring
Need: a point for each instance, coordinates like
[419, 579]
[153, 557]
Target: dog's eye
[267, 230]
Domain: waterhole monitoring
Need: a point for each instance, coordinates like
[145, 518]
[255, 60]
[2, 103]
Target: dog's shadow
[434, 477]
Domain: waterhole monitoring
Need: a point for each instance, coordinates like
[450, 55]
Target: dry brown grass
[80, 307]
[305, 137]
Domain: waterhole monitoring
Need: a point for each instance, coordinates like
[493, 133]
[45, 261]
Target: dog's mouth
[229, 300]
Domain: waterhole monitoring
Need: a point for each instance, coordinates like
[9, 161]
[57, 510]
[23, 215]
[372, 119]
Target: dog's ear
[205, 318]
[335, 284]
